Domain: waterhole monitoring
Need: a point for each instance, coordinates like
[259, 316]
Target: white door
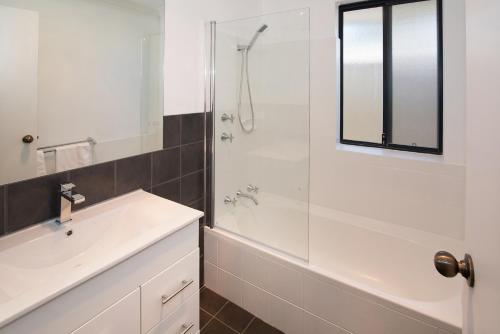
[18, 92]
[482, 303]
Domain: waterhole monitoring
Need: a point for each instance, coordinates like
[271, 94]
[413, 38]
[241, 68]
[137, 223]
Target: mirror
[81, 83]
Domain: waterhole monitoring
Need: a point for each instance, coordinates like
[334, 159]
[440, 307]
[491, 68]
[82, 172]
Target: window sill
[388, 153]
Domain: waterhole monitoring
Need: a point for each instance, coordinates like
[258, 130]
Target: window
[391, 75]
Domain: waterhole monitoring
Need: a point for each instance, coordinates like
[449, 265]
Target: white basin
[44, 261]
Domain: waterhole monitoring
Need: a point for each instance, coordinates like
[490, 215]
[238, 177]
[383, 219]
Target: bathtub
[362, 277]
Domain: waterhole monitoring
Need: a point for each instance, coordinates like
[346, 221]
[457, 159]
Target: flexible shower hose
[244, 72]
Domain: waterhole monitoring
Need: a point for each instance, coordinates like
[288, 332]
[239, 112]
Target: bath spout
[240, 194]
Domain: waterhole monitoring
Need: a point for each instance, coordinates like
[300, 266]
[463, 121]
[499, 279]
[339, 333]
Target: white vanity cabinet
[158, 285]
[123, 317]
[166, 292]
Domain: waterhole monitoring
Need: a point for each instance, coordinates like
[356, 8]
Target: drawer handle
[187, 327]
[185, 284]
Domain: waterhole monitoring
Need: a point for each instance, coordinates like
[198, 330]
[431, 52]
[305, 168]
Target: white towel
[40, 163]
[73, 156]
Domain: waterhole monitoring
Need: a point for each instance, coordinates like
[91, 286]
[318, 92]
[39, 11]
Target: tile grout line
[249, 324]
[220, 320]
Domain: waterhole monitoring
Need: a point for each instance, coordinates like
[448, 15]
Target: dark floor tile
[33, 201]
[171, 131]
[96, 183]
[133, 173]
[2, 210]
[192, 158]
[210, 301]
[217, 327]
[170, 190]
[166, 165]
[204, 318]
[192, 128]
[192, 188]
[235, 317]
[260, 327]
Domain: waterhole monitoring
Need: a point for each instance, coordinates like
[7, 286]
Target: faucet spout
[240, 194]
[67, 200]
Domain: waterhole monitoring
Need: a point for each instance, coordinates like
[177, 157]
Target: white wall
[407, 189]
[184, 47]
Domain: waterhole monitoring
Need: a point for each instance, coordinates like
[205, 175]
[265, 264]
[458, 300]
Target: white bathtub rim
[417, 310]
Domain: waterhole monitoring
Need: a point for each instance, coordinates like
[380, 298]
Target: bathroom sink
[42, 262]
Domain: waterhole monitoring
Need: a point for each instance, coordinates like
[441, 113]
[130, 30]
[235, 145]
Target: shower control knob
[251, 188]
[226, 136]
[229, 200]
[225, 117]
[448, 266]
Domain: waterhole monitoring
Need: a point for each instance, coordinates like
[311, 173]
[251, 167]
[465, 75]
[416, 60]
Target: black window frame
[386, 6]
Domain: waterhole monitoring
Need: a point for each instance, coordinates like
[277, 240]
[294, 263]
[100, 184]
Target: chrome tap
[67, 200]
[226, 136]
[225, 117]
[229, 200]
[252, 189]
[240, 194]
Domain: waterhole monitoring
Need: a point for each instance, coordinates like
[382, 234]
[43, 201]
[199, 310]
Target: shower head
[256, 35]
[261, 29]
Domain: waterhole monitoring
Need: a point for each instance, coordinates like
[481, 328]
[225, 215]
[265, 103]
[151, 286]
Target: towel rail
[52, 148]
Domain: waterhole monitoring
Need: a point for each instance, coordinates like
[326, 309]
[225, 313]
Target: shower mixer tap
[252, 189]
[225, 117]
[226, 136]
[229, 200]
[239, 194]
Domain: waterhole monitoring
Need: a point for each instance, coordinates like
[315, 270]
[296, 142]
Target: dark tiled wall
[175, 173]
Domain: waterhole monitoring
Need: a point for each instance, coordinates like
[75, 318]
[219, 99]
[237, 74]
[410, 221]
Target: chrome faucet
[229, 200]
[225, 117]
[252, 189]
[67, 200]
[226, 136]
[240, 194]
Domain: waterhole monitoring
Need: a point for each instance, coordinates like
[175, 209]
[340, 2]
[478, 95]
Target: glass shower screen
[260, 105]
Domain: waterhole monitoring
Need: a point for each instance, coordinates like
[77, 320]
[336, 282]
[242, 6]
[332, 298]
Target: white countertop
[40, 263]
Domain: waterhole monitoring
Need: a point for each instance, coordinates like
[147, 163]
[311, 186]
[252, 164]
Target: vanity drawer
[184, 320]
[165, 292]
[122, 317]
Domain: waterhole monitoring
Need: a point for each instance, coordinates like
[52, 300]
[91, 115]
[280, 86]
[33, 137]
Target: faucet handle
[67, 187]
[78, 199]
[225, 117]
[252, 188]
[229, 200]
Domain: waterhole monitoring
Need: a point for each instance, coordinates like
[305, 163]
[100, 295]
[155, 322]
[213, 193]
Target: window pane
[363, 41]
[415, 74]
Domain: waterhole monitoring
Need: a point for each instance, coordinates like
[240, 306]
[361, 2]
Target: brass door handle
[28, 139]
[448, 266]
